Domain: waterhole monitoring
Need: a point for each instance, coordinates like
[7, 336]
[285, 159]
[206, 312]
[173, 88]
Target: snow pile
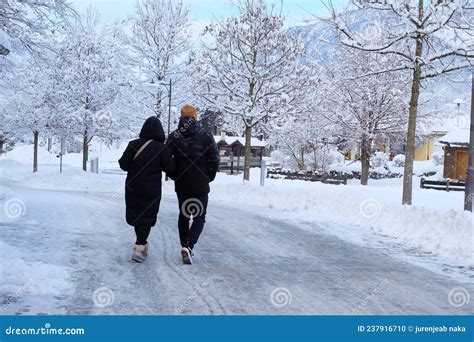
[24, 154]
[5, 40]
[383, 167]
[72, 179]
[20, 276]
[35, 278]
[23, 279]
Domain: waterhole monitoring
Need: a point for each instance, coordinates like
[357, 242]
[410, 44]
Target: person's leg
[142, 233]
[183, 221]
[198, 221]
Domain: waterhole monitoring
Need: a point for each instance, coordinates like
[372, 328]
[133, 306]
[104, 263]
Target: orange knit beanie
[189, 111]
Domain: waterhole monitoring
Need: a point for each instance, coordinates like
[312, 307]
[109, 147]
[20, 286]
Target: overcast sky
[203, 10]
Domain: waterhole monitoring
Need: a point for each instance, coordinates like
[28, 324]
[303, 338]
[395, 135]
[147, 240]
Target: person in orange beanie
[197, 160]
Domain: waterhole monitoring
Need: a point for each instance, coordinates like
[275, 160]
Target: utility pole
[169, 108]
[169, 115]
[470, 169]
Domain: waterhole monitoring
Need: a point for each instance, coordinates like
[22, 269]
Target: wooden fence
[307, 176]
[442, 185]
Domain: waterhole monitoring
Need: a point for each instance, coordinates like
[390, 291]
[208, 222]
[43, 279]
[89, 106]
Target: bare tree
[252, 70]
[364, 109]
[32, 21]
[159, 39]
[90, 70]
[429, 38]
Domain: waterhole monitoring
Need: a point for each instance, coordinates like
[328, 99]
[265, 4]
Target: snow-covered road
[70, 254]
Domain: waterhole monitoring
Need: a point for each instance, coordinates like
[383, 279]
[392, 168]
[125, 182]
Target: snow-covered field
[434, 228]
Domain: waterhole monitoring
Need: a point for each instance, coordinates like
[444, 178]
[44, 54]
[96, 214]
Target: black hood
[188, 126]
[152, 129]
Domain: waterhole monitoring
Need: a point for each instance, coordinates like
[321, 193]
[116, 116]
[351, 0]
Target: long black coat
[143, 183]
[197, 158]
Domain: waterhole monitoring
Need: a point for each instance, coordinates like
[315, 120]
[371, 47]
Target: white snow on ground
[420, 167]
[20, 275]
[436, 223]
[37, 278]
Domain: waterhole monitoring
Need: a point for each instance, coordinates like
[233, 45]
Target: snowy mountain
[322, 42]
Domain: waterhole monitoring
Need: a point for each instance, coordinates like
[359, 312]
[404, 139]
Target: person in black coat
[197, 160]
[144, 160]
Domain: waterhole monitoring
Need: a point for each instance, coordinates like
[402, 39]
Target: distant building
[456, 153]
[428, 142]
[231, 151]
[428, 145]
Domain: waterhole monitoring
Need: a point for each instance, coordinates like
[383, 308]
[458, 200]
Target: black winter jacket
[196, 155]
[143, 183]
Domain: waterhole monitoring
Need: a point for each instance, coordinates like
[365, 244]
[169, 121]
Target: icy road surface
[70, 254]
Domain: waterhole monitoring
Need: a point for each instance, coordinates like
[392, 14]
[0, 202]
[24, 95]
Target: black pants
[142, 233]
[191, 207]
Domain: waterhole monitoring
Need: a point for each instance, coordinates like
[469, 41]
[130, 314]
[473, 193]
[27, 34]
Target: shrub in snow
[323, 158]
[285, 161]
[399, 160]
[438, 158]
[277, 156]
[380, 159]
[380, 171]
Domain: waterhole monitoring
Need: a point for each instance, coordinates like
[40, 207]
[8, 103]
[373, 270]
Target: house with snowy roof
[231, 149]
[456, 153]
[435, 130]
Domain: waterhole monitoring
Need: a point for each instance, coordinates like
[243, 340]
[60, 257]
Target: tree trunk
[158, 108]
[85, 151]
[365, 161]
[302, 165]
[247, 152]
[35, 150]
[411, 134]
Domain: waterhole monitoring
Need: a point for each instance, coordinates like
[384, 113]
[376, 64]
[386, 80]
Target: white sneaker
[140, 253]
[187, 255]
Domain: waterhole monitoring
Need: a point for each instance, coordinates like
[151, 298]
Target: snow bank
[70, 180]
[24, 154]
[420, 168]
[31, 277]
[435, 224]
